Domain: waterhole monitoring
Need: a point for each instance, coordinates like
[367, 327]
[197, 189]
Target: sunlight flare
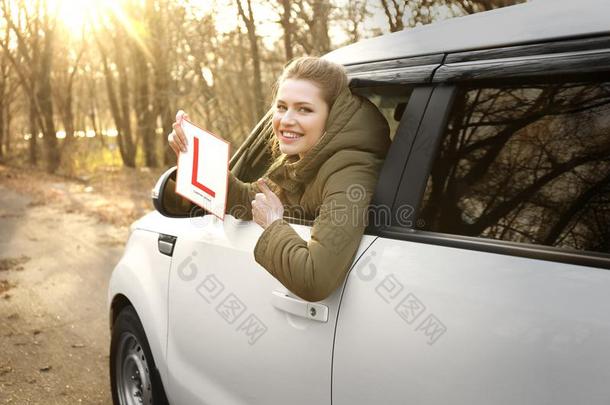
[76, 15]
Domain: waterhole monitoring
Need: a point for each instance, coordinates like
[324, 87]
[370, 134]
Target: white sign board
[203, 170]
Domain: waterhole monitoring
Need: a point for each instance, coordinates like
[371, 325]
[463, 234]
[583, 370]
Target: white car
[482, 277]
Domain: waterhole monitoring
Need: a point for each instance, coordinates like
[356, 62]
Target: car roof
[535, 21]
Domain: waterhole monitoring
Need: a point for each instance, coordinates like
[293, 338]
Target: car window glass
[525, 163]
[391, 100]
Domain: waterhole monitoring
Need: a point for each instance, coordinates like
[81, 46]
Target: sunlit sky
[225, 13]
[75, 13]
[266, 18]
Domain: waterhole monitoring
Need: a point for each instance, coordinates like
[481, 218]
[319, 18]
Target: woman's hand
[266, 206]
[176, 138]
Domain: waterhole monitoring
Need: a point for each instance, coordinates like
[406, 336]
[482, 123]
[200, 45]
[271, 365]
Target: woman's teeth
[291, 135]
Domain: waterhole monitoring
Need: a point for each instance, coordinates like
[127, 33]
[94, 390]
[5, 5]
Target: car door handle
[166, 244]
[295, 306]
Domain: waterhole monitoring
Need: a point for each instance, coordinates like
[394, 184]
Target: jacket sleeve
[239, 198]
[314, 269]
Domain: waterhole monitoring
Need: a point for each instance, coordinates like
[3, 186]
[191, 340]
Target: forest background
[90, 86]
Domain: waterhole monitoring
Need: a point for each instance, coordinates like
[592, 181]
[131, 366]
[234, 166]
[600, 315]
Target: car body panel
[142, 276]
[535, 21]
[155, 222]
[597, 60]
[253, 353]
[428, 324]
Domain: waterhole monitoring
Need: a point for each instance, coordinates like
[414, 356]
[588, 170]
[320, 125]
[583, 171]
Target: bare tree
[64, 75]
[11, 87]
[356, 12]
[7, 87]
[286, 22]
[394, 11]
[312, 20]
[142, 103]
[475, 6]
[177, 59]
[118, 98]
[34, 30]
[426, 11]
[161, 44]
[351, 17]
[248, 19]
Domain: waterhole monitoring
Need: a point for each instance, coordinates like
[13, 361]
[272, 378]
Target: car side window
[526, 163]
[390, 99]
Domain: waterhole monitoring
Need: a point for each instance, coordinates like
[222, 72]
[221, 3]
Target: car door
[236, 335]
[496, 289]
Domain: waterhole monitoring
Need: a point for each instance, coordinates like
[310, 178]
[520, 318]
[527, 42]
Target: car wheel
[133, 376]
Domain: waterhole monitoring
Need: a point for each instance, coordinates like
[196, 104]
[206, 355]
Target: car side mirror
[167, 201]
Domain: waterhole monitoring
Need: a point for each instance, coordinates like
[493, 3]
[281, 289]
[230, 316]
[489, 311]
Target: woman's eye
[305, 109]
[280, 107]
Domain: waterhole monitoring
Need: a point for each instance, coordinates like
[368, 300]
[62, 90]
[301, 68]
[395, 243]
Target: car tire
[133, 375]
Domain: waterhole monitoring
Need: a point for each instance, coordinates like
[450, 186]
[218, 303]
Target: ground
[59, 241]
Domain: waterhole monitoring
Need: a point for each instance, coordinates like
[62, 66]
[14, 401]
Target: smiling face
[300, 116]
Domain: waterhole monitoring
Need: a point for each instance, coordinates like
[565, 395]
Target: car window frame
[417, 73]
[564, 59]
[392, 170]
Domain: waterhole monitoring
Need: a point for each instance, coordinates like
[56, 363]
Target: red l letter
[196, 167]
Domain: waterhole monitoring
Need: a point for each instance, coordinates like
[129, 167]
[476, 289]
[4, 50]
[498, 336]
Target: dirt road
[54, 270]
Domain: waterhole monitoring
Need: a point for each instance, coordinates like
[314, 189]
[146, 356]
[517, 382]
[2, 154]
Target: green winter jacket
[332, 185]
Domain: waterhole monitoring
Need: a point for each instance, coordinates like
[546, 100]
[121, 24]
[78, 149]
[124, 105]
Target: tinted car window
[391, 100]
[526, 163]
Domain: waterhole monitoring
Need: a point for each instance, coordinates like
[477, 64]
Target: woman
[331, 147]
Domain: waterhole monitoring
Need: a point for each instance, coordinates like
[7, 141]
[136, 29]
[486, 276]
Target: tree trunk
[160, 49]
[67, 117]
[2, 131]
[92, 113]
[164, 112]
[287, 26]
[313, 18]
[94, 124]
[124, 116]
[126, 156]
[395, 15]
[321, 39]
[33, 153]
[144, 116]
[259, 100]
[119, 109]
[45, 101]
[3, 102]
[7, 128]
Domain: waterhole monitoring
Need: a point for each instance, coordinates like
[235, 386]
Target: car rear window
[526, 163]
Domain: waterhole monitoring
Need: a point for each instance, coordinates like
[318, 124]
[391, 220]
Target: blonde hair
[328, 76]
